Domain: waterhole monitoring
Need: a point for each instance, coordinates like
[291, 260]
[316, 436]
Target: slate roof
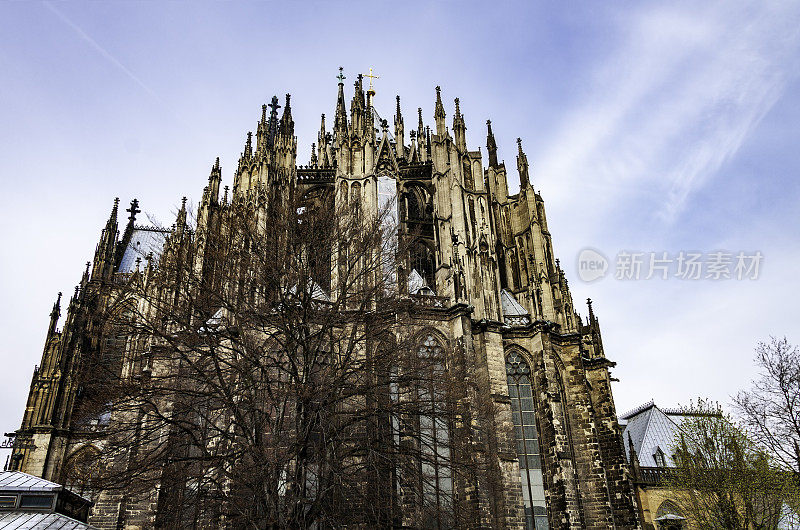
[19, 481]
[144, 240]
[651, 428]
[510, 305]
[40, 521]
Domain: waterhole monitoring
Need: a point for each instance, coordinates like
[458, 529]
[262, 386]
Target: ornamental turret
[439, 114]
[459, 129]
[399, 131]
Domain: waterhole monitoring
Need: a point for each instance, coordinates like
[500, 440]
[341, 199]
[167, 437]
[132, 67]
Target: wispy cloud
[676, 100]
[102, 51]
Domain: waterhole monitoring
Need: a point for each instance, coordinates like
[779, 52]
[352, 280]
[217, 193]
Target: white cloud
[674, 102]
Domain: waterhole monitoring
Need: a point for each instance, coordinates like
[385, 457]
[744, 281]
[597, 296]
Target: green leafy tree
[725, 478]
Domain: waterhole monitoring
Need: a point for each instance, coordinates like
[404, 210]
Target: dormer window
[659, 457]
[36, 502]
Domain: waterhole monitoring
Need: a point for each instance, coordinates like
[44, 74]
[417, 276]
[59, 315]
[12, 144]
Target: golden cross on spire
[371, 77]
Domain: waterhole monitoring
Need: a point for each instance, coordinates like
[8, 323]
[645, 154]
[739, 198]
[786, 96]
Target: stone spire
[261, 132]
[438, 113]
[104, 253]
[85, 277]
[340, 121]
[412, 151]
[314, 155]
[357, 108]
[522, 166]
[322, 135]
[248, 146]
[459, 129]
[399, 130]
[287, 123]
[181, 221]
[54, 316]
[491, 145]
[214, 180]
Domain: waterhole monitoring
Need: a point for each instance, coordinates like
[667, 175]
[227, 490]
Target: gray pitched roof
[19, 481]
[651, 428]
[415, 282]
[40, 521]
[510, 305]
[144, 240]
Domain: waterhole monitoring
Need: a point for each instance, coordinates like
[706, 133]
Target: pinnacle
[439, 107]
[490, 134]
[57, 304]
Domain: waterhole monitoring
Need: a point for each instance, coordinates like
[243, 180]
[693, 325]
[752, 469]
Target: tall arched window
[434, 437]
[422, 260]
[387, 198]
[523, 413]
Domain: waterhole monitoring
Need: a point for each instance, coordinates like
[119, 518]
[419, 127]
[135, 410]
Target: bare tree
[265, 379]
[724, 479]
[770, 409]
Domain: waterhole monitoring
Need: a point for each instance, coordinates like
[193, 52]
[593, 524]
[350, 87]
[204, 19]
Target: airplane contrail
[102, 51]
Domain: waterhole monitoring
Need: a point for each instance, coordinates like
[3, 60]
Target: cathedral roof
[651, 428]
[511, 308]
[144, 240]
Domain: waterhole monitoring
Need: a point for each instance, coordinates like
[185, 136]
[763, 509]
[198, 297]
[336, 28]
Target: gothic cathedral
[482, 278]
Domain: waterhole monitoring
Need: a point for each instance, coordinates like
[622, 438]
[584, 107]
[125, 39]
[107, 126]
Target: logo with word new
[592, 265]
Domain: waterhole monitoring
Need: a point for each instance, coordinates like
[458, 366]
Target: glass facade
[523, 413]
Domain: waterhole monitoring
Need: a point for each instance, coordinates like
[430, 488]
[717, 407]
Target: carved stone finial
[134, 209]
[274, 104]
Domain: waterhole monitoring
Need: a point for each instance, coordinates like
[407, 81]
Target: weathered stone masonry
[484, 280]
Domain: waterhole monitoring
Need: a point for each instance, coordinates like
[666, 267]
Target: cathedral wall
[583, 466]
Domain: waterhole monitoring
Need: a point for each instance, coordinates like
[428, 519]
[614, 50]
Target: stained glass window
[434, 436]
[523, 413]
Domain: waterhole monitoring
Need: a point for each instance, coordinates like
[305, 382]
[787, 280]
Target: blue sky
[649, 127]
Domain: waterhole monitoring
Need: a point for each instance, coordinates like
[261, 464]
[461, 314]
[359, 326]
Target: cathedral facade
[482, 278]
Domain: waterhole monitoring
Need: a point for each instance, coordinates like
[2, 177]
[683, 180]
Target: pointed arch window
[436, 479]
[523, 413]
[387, 198]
